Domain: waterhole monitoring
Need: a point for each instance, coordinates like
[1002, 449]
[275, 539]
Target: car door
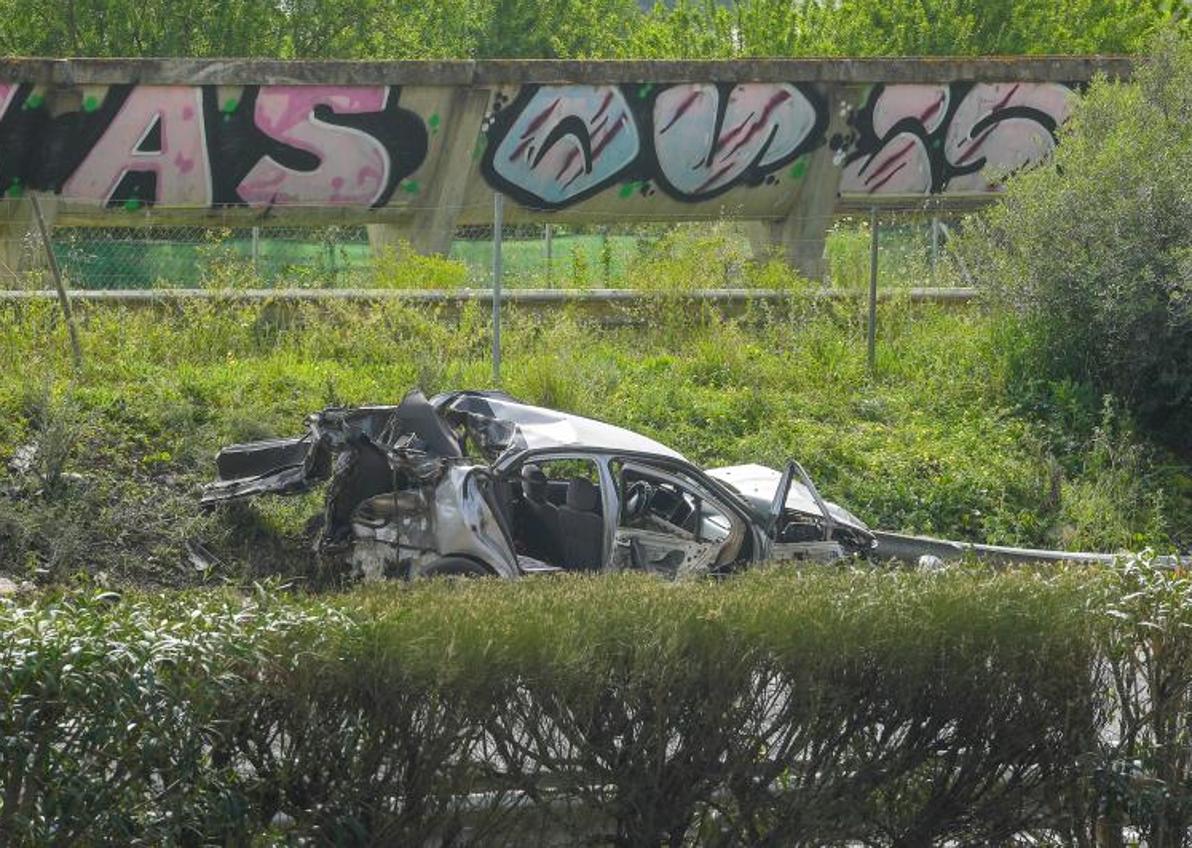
[800, 533]
[669, 525]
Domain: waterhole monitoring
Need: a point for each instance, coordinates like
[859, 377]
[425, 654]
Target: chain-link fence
[533, 256]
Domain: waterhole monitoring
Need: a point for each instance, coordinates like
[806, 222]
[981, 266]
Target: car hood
[757, 484]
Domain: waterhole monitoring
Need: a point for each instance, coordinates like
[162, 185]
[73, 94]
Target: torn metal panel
[516, 426]
[759, 484]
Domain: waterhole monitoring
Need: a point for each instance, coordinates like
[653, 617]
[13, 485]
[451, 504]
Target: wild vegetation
[952, 435]
[1092, 251]
[808, 707]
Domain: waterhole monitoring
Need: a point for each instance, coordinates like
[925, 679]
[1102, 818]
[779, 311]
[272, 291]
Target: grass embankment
[810, 707]
[948, 437]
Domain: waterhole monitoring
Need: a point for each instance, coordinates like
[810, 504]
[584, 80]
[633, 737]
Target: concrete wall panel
[418, 148]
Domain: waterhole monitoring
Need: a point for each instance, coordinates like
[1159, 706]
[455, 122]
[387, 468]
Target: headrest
[533, 482]
[582, 495]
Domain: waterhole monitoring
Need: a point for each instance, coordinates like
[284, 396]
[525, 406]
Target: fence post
[76, 349]
[256, 246]
[549, 263]
[498, 226]
[872, 337]
[606, 257]
[935, 244]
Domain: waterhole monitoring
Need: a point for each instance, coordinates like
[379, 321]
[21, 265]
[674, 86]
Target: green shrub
[401, 267]
[782, 707]
[1144, 770]
[580, 28]
[112, 715]
[1093, 251]
[765, 28]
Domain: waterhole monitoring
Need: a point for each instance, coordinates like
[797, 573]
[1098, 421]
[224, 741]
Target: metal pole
[549, 263]
[256, 246]
[75, 349]
[498, 225]
[873, 237]
[935, 244]
[606, 259]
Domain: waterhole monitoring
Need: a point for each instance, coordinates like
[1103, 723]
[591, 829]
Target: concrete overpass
[414, 149]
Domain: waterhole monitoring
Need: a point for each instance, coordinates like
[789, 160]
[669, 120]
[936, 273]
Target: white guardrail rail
[526, 297]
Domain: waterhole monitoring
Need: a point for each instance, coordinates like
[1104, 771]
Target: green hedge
[780, 708]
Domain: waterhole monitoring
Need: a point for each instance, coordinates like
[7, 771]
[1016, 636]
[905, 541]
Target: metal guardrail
[458, 297]
[910, 548]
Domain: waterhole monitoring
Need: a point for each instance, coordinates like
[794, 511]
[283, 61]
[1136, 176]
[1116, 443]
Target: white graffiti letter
[902, 164]
[567, 142]
[704, 147]
[997, 125]
[158, 130]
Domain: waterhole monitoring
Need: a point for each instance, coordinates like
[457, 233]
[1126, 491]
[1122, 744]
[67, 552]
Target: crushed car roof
[539, 428]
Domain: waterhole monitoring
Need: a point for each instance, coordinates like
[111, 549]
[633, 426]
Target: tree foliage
[409, 29]
[705, 29]
[1094, 251]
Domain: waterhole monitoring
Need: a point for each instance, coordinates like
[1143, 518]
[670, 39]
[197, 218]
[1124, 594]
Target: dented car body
[479, 483]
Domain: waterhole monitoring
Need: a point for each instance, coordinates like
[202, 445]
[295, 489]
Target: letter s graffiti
[354, 167]
[920, 139]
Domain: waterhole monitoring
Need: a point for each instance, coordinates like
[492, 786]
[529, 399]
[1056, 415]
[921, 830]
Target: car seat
[581, 526]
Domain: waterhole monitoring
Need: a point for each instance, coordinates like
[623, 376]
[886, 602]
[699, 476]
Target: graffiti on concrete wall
[548, 147]
[556, 145]
[919, 139]
[206, 146]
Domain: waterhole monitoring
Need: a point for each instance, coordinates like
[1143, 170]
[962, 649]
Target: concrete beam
[426, 159]
[800, 237]
[520, 71]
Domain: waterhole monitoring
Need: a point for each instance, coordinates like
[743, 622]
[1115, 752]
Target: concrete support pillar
[385, 237]
[21, 248]
[800, 236]
[432, 226]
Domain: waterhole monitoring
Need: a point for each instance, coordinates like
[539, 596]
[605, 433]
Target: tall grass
[935, 443]
[946, 437]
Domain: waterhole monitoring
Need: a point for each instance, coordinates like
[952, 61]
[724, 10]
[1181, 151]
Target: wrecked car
[478, 483]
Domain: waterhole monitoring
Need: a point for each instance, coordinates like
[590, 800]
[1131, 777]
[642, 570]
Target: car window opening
[558, 516]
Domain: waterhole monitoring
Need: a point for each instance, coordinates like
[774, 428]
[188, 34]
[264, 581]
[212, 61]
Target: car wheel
[456, 567]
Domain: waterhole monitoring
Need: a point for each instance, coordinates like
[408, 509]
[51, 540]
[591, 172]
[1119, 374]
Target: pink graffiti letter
[353, 166]
[158, 130]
